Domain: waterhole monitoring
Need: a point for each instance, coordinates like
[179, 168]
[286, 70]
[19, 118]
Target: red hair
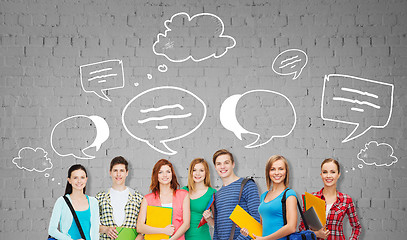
[155, 185]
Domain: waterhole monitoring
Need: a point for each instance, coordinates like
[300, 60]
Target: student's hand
[169, 230]
[110, 231]
[258, 237]
[244, 232]
[207, 214]
[322, 233]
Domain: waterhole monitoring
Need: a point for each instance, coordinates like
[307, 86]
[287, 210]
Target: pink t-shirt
[177, 202]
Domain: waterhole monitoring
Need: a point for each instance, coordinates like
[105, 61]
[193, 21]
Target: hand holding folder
[211, 201]
[245, 220]
[318, 205]
[159, 217]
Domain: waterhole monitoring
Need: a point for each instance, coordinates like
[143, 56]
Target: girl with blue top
[270, 209]
[86, 208]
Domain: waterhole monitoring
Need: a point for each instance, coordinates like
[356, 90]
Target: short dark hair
[222, 152]
[119, 160]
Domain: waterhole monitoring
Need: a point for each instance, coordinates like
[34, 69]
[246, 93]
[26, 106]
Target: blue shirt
[225, 202]
[272, 213]
[84, 220]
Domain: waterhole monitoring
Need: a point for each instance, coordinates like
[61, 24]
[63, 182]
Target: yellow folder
[244, 220]
[159, 217]
[318, 204]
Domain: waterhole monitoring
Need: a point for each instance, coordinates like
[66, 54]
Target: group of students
[125, 207]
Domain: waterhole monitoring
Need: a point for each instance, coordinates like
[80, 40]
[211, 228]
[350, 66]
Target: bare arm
[291, 225]
[143, 228]
[186, 217]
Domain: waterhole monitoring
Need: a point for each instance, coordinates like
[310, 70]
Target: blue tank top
[84, 220]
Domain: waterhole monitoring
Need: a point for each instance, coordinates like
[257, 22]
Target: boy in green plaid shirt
[119, 205]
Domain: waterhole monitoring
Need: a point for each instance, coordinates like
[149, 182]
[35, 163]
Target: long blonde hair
[207, 181]
[269, 163]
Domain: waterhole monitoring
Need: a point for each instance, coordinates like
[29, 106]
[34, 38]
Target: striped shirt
[226, 200]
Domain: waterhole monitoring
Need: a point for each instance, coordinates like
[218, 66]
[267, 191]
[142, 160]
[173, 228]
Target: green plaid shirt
[131, 210]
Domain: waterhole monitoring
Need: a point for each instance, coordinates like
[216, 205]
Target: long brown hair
[207, 181]
[155, 185]
[68, 188]
[269, 163]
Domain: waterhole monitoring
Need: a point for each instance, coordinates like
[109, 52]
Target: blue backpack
[303, 235]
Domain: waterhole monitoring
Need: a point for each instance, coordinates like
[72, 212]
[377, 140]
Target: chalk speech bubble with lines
[102, 76]
[181, 30]
[163, 114]
[357, 101]
[290, 62]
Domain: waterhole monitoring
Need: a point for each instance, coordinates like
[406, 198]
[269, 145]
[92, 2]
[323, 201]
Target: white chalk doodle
[270, 114]
[163, 114]
[162, 68]
[102, 76]
[378, 154]
[291, 61]
[72, 127]
[31, 159]
[182, 30]
[357, 101]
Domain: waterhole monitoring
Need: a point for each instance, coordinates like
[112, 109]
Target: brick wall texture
[43, 43]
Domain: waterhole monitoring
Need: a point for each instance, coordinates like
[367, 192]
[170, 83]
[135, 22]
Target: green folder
[126, 233]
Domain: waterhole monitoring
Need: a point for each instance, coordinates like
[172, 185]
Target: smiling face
[199, 173]
[330, 174]
[165, 175]
[78, 179]
[278, 172]
[224, 166]
[119, 174]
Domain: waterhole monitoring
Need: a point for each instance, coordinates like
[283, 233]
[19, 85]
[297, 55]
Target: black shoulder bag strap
[75, 217]
[283, 202]
[232, 233]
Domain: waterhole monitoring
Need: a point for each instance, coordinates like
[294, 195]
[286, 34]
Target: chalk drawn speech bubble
[102, 76]
[31, 159]
[290, 62]
[357, 101]
[163, 114]
[181, 30]
[378, 154]
[68, 135]
[267, 114]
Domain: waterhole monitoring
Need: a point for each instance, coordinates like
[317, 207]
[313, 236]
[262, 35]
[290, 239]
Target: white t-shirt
[118, 200]
[166, 205]
[328, 208]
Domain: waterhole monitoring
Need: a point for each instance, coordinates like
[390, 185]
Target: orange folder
[318, 204]
[245, 220]
[159, 217]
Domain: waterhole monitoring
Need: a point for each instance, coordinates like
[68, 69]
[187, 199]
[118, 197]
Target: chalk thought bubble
[177, 43]
[74, 133]
[263, 113]
[357, 101]
[290, 62]
[31, 159]
[378, 154]
[102, 76]
[163, 114]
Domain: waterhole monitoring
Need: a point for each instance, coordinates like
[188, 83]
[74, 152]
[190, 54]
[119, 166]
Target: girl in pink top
[165, 193]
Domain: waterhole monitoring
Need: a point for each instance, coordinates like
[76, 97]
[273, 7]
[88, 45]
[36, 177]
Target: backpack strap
[232, 233]
[75, 216]
[284, 206]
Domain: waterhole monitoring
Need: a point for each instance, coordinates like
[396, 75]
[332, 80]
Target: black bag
[232, 233]
[74, 216]
[303, 235]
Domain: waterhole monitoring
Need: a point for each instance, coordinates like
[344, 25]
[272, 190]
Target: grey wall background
[43, 43]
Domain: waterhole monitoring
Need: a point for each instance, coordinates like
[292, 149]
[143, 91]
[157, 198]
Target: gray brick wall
[43, 43]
